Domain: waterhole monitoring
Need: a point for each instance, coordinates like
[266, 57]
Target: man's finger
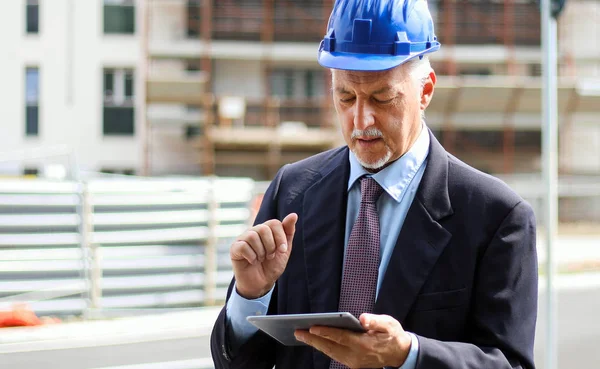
[279, 235]
[266, 236]
[343, 337]
[241, 250]
[289, 226]
[329, 348]
[253, 239]
[379, 323]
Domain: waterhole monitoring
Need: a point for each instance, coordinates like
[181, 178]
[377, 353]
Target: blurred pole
[550, 171]
[70, 51]
[211, 259]
[144, 73]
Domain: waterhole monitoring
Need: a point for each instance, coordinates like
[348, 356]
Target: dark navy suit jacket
[462, 276]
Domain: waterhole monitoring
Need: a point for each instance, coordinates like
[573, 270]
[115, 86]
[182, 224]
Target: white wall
[71, 52]
[167, 20]
[579, 35]
[583, 150]
[238, 77]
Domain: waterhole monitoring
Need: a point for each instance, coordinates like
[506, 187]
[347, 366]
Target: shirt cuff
[413, 353]
[238, 308]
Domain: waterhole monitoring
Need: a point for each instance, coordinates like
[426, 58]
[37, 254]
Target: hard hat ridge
[377, 34]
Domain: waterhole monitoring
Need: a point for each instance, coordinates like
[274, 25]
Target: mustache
[368, 133]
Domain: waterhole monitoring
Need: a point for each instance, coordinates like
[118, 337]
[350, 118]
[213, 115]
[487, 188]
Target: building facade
[233, 87]
[68, 77]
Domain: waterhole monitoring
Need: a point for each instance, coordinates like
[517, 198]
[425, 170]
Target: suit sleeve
[259, 351]
[504, 305]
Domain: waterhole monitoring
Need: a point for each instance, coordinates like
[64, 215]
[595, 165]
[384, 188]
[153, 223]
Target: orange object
[255, 206]
[21, 316]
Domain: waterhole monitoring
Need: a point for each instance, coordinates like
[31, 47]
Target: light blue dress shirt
[400, 181]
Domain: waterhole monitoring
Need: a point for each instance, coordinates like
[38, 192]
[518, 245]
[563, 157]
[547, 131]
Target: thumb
[378, 323]
[289, 227]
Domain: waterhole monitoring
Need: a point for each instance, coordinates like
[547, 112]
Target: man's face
[380, 113]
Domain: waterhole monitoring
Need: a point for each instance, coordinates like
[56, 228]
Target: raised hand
[260, 255]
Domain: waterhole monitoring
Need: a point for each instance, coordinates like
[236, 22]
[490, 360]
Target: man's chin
[372, 163]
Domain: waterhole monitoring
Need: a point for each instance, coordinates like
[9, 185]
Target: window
[193, 18]
[475, 71]
[118, 112]
[32, 90]
[300, 91]
[297, 83]
[535, 69]
[33, 17]
[30, 171]
[126, 171]
[119, 17]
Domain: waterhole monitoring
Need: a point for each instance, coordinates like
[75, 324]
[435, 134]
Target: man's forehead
[379, 81]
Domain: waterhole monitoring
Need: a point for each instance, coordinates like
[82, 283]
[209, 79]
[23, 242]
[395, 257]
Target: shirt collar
[395, 177]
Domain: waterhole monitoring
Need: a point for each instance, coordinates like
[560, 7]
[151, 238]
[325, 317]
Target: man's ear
[427, 91]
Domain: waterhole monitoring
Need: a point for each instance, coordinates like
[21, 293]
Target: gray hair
[419, 69]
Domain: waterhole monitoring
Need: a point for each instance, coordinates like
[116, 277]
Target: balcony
[291, 30]
[290, 124]
[487, 22]
[256, 20]
[176, 88]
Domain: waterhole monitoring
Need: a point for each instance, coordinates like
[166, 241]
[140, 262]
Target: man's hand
[260, 255]
[385, 344]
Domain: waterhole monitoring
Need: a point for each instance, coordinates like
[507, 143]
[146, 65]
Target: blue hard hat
[372, 35]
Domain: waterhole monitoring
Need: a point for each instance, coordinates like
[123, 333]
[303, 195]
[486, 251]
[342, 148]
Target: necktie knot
[370, 190]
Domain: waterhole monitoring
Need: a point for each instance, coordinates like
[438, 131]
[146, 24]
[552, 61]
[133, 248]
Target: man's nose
[363, 116]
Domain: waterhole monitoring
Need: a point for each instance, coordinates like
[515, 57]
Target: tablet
[282, 327]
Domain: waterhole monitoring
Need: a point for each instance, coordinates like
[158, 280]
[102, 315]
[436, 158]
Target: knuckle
[261, 229]
[253, 237]
[237, 246]
[272, 223]
[275, 226]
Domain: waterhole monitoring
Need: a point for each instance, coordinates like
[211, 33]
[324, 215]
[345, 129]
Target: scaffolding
[201, 53]
[264, 130]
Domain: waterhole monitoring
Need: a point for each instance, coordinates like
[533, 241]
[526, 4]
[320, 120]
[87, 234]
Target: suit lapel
[421, 240]
[324, 220]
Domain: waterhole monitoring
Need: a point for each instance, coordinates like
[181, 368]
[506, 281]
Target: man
[437, 258]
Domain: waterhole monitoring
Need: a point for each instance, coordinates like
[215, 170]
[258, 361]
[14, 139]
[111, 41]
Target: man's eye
[347, 99]
[386, 101]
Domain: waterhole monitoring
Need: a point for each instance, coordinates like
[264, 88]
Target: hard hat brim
[362, 62]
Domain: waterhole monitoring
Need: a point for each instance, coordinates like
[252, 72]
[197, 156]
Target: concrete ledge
[118, 331]
[205, 363]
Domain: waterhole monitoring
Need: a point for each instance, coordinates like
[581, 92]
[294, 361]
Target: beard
[371, 133]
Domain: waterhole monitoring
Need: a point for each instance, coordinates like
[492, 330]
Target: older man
[436, 258]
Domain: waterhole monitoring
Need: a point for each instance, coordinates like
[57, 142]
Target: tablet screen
[282, 327]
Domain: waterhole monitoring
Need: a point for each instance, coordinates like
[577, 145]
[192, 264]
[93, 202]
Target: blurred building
[232, 87]
[70, 76]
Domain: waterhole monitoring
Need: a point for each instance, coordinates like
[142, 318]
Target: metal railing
[313, 113]
[136, 243]
[119, 245]
[579, 198]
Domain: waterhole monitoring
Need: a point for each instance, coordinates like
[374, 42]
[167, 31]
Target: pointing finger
[289, 226]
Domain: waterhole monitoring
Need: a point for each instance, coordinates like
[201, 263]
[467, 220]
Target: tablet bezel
[282, 327]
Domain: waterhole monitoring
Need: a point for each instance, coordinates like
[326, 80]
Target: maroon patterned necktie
[359, 281]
